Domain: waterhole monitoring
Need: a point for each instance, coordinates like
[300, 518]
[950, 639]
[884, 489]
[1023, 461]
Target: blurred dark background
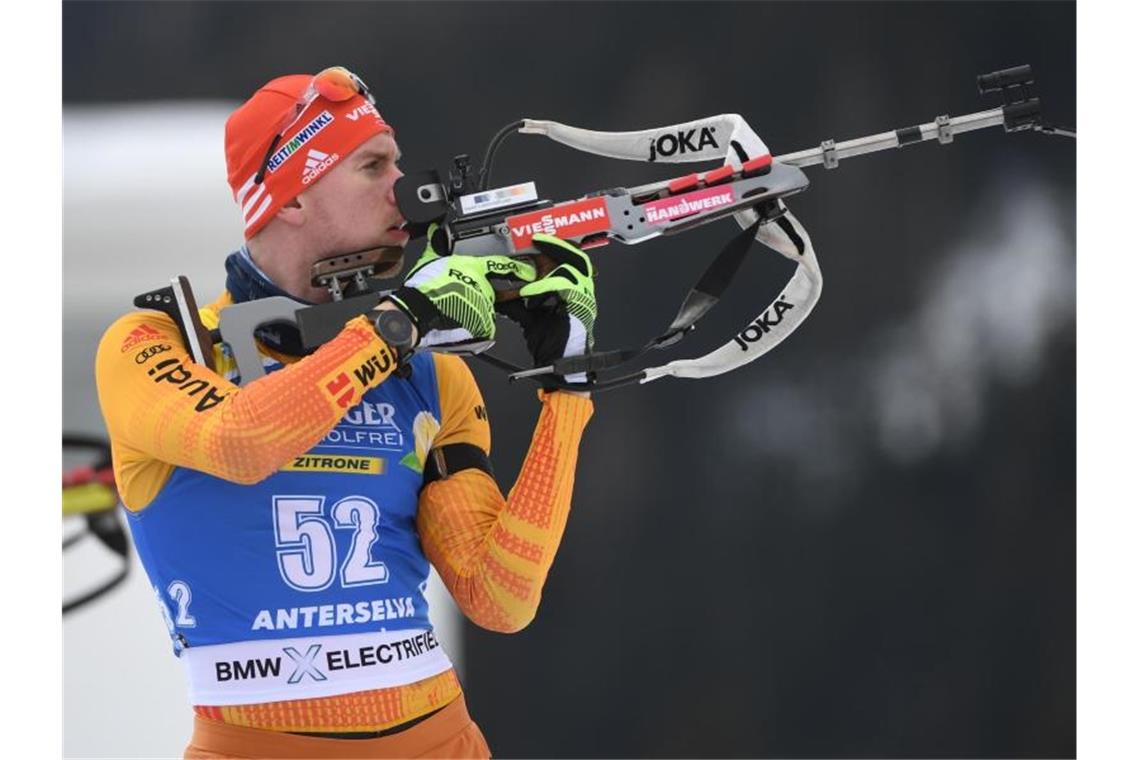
[861, 545]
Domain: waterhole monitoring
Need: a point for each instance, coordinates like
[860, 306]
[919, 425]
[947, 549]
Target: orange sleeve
[494, 554]
[162, 410]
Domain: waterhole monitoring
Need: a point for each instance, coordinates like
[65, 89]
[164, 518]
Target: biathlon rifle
[750, 185]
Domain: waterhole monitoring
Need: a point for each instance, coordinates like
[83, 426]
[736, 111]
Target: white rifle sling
[707, 139]
[703, 140]
[774, 323]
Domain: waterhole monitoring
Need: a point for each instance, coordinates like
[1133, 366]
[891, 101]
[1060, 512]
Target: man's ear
[292, 213]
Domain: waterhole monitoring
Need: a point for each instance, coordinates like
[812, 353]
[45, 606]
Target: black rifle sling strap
[700, 299]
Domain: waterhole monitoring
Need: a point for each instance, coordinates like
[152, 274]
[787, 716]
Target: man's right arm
[160, 405]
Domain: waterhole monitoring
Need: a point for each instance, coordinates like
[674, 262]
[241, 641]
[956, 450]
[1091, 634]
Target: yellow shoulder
[139, 327]
[135, 331]
[464, 415]
[131, 341]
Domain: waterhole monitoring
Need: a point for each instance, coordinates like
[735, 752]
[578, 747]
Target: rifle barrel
[894, 139]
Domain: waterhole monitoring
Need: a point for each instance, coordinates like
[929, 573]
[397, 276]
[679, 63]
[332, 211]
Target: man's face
[353, 206]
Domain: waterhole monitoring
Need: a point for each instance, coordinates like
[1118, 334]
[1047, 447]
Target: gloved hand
[451, 299]
[557, 312]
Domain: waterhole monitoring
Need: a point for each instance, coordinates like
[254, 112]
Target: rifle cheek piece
[421, 198]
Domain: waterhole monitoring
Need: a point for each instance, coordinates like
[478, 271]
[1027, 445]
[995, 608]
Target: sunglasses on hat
[337, 84]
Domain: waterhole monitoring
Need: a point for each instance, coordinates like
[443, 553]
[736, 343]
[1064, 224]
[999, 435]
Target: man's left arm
[494, 554]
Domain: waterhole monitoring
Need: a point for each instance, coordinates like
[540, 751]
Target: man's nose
[392, 187]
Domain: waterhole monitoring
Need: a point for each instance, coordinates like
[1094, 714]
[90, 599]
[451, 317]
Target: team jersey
[286, 531]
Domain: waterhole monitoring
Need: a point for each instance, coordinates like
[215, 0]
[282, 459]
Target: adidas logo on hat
[316, 163]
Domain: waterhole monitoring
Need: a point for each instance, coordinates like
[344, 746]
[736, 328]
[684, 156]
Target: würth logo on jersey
[316, 163]
[376, 365]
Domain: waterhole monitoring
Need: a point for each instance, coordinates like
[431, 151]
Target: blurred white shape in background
[988, 313]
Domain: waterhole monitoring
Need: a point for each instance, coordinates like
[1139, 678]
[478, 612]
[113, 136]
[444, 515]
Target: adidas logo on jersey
[316, 163]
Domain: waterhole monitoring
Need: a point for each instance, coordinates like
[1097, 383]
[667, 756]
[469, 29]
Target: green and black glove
[557, 312]
[451, 299]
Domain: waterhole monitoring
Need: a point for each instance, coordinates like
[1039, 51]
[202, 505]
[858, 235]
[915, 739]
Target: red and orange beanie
[324, 133]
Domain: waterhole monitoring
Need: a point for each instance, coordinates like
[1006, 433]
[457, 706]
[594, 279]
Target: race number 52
[306, 550]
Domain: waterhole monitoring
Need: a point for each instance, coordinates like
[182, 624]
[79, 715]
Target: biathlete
[287, 525]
